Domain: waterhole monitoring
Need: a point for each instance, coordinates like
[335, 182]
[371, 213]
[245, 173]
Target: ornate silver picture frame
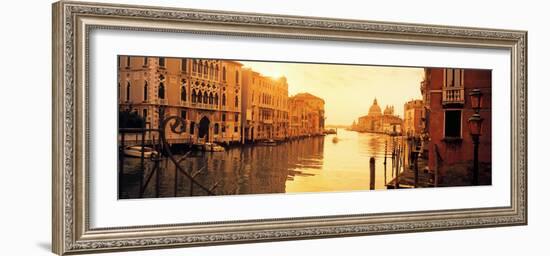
[72, 208]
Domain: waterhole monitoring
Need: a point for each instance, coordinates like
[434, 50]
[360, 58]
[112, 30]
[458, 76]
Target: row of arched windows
[200, 97]
[207, 70]
[206, 98]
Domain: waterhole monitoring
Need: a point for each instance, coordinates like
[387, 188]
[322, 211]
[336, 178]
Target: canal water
[313, 164]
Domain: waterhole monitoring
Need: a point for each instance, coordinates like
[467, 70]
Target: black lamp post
[475, 124]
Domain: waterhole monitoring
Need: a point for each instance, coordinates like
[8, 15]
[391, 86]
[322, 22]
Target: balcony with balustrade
[185, 104]
[453, 96]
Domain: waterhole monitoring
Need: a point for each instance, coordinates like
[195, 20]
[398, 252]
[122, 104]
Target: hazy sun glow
[348, 90]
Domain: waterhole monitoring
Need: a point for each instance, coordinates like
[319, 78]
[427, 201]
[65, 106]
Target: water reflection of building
[307, 115]
[447, 110]
[205, 93]
[412, 118]
[257, 170]
[378, 121]
[265, 104]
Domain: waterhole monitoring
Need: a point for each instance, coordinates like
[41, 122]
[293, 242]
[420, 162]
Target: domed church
[378, 122]
[375, 110]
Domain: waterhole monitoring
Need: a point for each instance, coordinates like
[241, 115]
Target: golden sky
[348, 90]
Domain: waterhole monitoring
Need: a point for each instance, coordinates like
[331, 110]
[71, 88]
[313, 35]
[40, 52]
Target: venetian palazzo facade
[447, 109]
[307, 115]
[265, 107]
[377, 121]
[206, 94]
[413, 124]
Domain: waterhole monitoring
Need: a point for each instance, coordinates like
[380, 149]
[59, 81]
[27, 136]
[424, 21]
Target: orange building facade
[265, 106]
[205, 93]
[219, 100]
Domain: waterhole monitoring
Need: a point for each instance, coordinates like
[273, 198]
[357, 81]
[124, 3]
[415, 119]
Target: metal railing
[162, 150]
[453, 95]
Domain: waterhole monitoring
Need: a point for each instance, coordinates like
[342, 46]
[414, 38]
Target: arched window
[128, 91]
[205, 98]
[236, 101]
[237, 77]
[223, 99]
[216, 69]
[145, 91]
[161, 91]
[224, 75]
[194, 65]
[194, 96]
[205, 70]
[184, 65]
[199, 97]
[200, 67]
[183, 95]
[211, 74]
[216, 99]
[216, 128]
[210, 99]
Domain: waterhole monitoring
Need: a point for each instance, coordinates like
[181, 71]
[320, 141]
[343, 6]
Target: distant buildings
[413, 122]
[378, 121]
[447, 109]
[219, 100]
[307, 115]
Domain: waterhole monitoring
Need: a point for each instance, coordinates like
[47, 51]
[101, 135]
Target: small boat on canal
[269, 142]
[210, 147]
[135, 151]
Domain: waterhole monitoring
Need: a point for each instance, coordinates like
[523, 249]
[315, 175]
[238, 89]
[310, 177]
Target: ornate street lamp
[475, 124]
[475, 99]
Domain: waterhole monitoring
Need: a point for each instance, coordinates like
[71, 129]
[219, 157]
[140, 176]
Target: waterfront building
[413, 118]
[307, 115]
[447, 109]
[377, 121]
[205, 93]
[265, 107]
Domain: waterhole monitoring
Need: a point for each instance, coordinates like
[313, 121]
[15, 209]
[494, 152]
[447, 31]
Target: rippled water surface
[313, 164]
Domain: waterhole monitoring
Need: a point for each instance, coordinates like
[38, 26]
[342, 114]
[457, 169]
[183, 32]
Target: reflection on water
[313, 164]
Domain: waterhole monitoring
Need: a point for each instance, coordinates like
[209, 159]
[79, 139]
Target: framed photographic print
[179, 127]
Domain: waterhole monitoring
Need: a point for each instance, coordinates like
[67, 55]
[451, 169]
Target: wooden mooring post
[385, 154]
[397, 165]
[372, 173]
[415, 162]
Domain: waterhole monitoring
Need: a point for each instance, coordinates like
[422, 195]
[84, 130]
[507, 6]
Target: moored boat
[135, 151]
[210, 147]
[269, 142]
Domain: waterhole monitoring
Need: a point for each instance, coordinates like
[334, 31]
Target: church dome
[375, 110]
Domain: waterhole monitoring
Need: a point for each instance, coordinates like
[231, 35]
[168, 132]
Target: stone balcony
[453, 96]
